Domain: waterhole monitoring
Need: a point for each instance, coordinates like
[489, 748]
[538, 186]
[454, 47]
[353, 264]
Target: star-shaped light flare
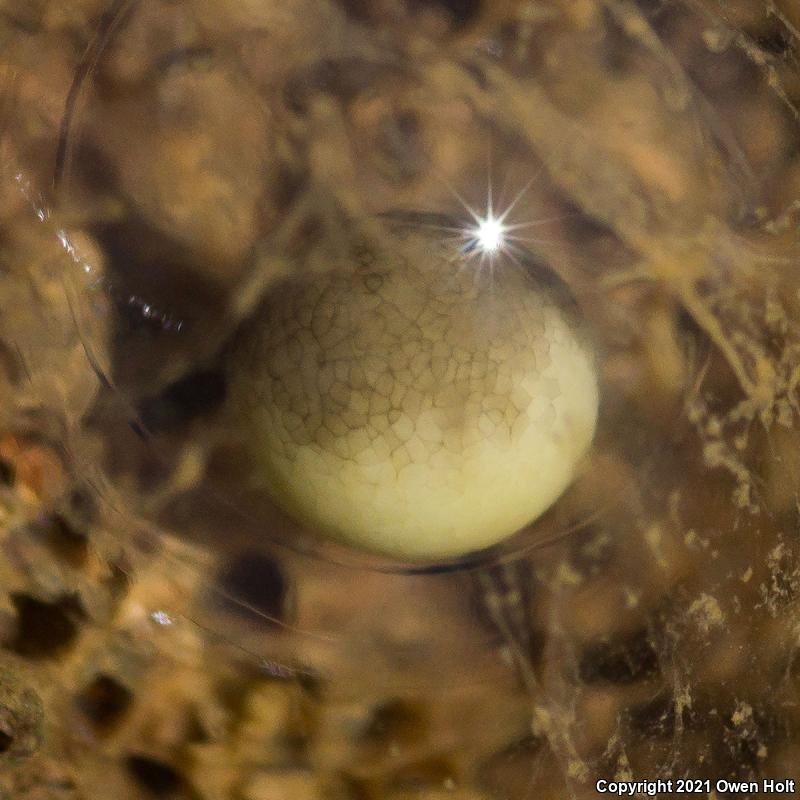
[489, 236]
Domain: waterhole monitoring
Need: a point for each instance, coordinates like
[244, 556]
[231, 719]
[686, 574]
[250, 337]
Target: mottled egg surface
[414, 400]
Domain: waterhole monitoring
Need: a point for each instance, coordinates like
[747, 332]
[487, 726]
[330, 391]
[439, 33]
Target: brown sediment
[221, 148]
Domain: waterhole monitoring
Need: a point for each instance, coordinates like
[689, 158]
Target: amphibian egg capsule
[419, 404]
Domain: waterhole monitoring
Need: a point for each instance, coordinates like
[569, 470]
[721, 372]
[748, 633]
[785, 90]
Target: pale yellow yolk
[420, 405]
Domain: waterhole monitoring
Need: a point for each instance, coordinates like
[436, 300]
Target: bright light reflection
[490, 235]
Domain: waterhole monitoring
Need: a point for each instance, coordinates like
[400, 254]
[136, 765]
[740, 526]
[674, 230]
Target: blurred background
[164, 631]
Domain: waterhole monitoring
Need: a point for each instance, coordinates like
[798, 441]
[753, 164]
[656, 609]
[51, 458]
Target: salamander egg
[413, 402]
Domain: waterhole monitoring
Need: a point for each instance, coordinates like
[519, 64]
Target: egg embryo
[412, 403]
